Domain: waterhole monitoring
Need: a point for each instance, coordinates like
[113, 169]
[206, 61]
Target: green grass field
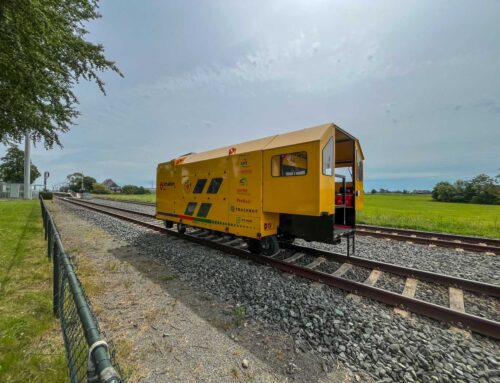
[420, 212]
[413, 211]
[31, 344]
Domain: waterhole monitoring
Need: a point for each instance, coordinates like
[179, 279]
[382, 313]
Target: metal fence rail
[90, 358]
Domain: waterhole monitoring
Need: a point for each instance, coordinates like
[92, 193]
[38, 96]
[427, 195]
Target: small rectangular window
[328, 158]
[200, 184]
[359, 170]
[290, 164]
[204, 209]
[214, 186]
[191, 206]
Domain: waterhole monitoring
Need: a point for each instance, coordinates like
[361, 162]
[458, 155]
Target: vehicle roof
[314, 133]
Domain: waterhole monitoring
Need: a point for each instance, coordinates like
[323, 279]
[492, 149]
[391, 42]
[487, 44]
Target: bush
[99, 189]
[132, 189]
[481, 189]
[46, 195]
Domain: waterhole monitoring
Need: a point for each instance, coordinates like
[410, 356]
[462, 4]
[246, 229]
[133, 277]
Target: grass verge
[420, 212]
[31, 345]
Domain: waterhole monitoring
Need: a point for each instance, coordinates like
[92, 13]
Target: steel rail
[126, 201]
[470, 243]
[464, 284]
[480, 245]
[474, 323]
[422, 233]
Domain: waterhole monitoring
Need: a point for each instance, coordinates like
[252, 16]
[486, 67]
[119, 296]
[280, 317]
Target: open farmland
[420, 212]
[31, 345]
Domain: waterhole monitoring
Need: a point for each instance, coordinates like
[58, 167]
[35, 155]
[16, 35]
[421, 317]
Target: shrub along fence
[89, 356]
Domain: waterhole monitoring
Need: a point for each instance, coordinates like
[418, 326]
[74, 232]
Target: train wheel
[181, 228]
[169, 224]
[269, 245]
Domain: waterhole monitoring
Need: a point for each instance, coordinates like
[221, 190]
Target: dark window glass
[328, 158]
[289, 164]
[214, 186]
[359, 170]
[200, 184]
[204, 208]
[190, 208]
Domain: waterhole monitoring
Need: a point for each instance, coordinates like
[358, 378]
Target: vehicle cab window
[289, 164]
[328, 158]
[359, 170]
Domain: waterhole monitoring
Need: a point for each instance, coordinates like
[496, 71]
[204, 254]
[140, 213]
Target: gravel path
[366, 335]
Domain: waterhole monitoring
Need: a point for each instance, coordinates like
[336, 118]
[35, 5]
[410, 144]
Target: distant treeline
[387, 191]
[481, 189]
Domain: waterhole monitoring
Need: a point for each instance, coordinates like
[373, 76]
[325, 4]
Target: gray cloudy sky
[418, 82]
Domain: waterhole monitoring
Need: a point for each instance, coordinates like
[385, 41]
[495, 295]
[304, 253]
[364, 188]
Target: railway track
[310, 263]
[488, 245]
[469, 243]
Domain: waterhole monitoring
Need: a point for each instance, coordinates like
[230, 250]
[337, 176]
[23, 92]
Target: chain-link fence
[90, 358]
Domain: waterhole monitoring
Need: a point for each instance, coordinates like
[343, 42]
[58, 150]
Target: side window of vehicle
[200, 184]
[289, 164]
[359, 172]
[214, 186]
[191, 206]
[204, 209]
[328, 158]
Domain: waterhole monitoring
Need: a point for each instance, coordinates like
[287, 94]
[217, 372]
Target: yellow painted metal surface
[250, 198]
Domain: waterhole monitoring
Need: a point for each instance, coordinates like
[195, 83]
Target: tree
[100, 189]
[481, 189]
[12, 167]
[43, 54]
[374, 191]
[443, 191]
[75, 182]
[132, 189]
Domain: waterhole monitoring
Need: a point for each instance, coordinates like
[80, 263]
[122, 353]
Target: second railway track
[291, 259]
[463, 242]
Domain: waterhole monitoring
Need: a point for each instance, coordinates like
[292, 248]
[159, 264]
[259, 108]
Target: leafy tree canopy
[75, 182]
[12, 167]
[481, 189]
[43, 54]
[132, 189]
[100, 189]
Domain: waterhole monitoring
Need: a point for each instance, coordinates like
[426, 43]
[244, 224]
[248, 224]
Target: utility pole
[27, 167]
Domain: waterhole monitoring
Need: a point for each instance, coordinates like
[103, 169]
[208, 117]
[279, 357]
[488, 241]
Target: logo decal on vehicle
[187, 185]
[165, 185]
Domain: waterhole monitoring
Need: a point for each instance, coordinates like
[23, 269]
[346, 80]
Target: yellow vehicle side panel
[287, 194]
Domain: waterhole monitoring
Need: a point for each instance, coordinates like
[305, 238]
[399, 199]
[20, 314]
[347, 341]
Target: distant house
[422, 192]
[112, 185]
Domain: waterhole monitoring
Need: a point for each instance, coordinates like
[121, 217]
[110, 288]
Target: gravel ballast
[325, 321]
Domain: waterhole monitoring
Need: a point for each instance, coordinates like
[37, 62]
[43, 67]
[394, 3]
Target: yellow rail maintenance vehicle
[304, 184]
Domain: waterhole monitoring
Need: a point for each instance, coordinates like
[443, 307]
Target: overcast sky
[418, 82]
